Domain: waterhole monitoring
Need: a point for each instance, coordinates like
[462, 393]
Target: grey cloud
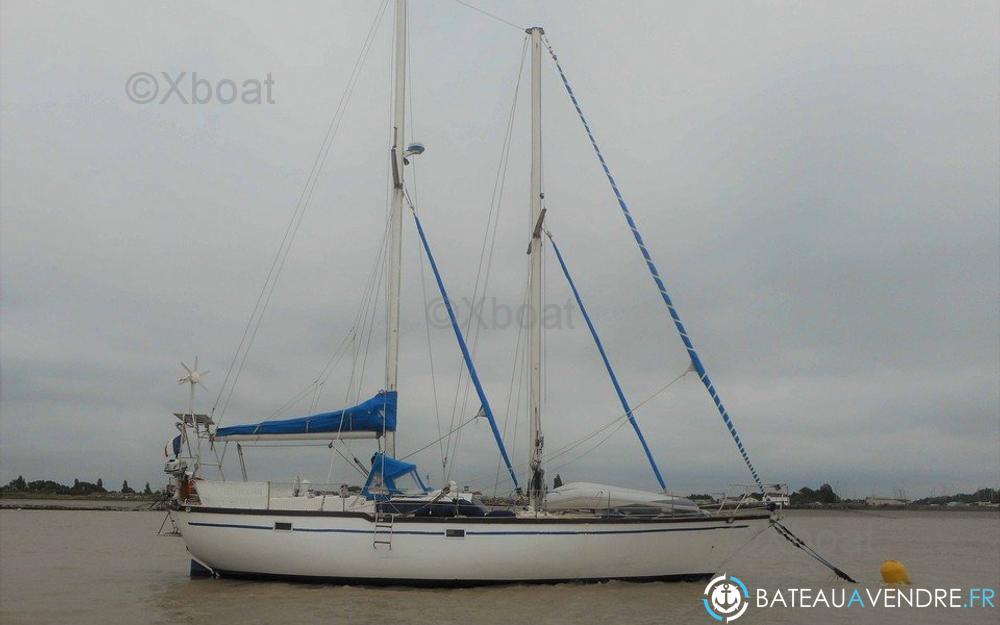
[818, 184]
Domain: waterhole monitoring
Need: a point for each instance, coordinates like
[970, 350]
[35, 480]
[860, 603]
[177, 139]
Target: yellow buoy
[893, 572]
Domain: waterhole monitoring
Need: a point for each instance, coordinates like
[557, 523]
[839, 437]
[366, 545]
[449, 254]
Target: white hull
[459, 551]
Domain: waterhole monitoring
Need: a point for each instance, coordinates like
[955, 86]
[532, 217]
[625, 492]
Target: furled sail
[369, 419]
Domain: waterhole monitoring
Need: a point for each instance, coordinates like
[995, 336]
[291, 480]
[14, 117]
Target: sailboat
[397, 529]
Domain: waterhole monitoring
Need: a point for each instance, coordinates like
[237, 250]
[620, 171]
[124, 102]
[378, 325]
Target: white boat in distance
[397, 530]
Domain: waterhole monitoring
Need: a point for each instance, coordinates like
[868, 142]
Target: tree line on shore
[825, 495]
[806, 496]
[20, 486]
[987, 495]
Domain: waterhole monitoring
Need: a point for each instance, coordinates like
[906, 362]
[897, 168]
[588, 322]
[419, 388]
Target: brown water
[85, 567]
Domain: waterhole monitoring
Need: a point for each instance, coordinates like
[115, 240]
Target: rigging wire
[351, 461]
[368, 341]
[657, 279]
[452, 429]
[607, 362]
[281, 255]
[393, 138]
[353, 333]
[335, 358]
[490, 15]
[379, 269]
[366, 321]
[439, 439]
[423, 268]
[368, 301]
[473, 326]
[618, 421]
[485, 407]
[696, 364]
[515, 369]
[522, 379]
[366, 297]
[348, 341]
[618, 427]
[430, 356]
[544, 356]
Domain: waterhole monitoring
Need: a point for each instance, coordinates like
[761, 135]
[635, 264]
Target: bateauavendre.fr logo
[726, 598]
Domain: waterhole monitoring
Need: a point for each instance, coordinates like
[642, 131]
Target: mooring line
[799, 543]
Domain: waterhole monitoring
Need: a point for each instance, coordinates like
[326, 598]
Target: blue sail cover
[377, 414]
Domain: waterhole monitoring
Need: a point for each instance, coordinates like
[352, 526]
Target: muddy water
[105, 568]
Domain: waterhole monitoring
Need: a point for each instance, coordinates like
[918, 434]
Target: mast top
[541, 31]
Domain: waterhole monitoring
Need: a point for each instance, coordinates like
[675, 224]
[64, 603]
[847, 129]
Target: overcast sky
[818, 183]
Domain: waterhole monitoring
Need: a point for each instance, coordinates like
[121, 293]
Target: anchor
[723, 594]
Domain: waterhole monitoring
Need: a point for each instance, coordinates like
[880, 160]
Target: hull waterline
[348, 548]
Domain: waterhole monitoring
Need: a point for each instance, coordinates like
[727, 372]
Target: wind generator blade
[187, 368]
[202, 385]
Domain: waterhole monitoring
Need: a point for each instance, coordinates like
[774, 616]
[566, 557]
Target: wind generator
[201, 423]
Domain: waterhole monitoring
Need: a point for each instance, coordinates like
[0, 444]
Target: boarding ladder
[382, 534]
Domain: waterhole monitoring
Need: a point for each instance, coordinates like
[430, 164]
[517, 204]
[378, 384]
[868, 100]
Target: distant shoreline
[37, 501]
[146, 503]
[54, 496]
[919, 508]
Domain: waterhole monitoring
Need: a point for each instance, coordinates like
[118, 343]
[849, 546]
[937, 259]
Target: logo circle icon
[142, 87]
[726, 598]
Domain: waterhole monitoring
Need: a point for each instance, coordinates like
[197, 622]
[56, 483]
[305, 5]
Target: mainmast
[536, 486]
[396, 213]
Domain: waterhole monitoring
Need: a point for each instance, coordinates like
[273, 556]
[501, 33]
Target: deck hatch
[283, 525]
[454, 533]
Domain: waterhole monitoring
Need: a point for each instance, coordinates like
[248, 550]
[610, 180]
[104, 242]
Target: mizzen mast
[395, 241]
[536, 485]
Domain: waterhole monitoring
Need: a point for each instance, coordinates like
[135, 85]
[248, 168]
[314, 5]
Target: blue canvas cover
[391, 468]
[377, 414]
[386, 470]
